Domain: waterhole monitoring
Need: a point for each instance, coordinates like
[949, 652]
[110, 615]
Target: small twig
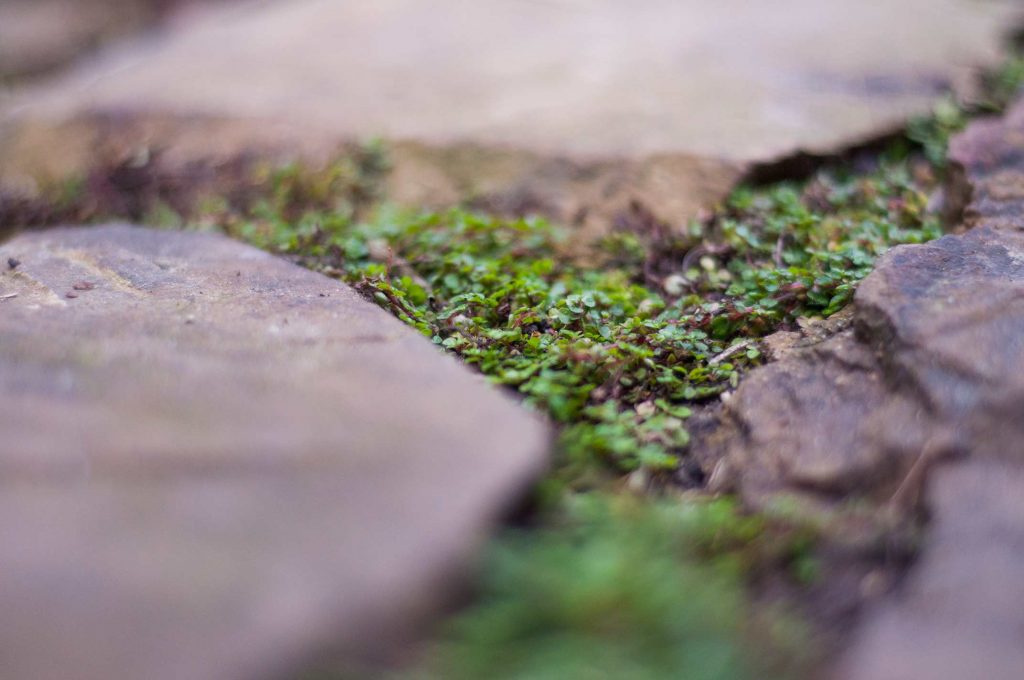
[691, 255]
[719, 358]
[778, 250]
[9, 296]
[403, 267]
[909, 491]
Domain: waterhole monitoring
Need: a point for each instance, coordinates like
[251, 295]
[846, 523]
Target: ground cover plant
[618, 353]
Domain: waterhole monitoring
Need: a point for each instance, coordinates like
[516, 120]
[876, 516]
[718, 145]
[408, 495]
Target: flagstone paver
[957, 321]
[216, 464]
[575, 108]
[919, 405]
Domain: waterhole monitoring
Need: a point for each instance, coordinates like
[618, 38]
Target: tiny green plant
[616, 588]
[618, 351]
[617, 358]
[619, 355]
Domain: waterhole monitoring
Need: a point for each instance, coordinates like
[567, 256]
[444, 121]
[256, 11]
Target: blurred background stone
[572, 109]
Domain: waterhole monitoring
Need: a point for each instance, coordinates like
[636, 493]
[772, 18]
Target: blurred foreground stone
[220, 465]
[575, 109]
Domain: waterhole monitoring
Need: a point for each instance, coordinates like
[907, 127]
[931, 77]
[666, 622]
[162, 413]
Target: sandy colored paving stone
[37, 36]
[219, 465]
[729, 79]
[576, 107]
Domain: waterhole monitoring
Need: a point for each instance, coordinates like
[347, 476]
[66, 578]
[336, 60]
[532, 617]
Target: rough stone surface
[576, 107]
[960, 613]
[988, 180]
[216, 464]
[932, 361]
[921, 402]
[954, 312]
[800, 423]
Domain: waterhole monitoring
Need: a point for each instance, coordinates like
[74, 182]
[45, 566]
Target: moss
[617, 354]
[654, 591]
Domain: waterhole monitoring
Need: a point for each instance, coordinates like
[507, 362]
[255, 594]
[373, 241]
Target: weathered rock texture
[216, 464]
[571, 108]
[922, 399]
[961, 613]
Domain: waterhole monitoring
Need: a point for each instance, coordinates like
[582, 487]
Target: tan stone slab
[730, 79]
[216, 464]
[570, 108]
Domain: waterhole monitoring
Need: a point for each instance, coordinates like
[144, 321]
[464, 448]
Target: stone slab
[959, 615]
[917, 409]
[573, 108]
[217, 464]
[730, 79]
[953, 313]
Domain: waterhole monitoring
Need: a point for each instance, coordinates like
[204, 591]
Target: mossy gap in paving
[618, 353]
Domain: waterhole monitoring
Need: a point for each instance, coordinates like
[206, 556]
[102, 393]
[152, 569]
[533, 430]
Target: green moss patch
[618, 354]
[623, 589]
